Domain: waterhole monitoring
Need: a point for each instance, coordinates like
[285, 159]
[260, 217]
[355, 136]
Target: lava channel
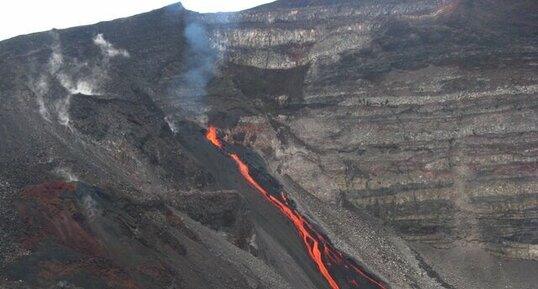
[331, 263]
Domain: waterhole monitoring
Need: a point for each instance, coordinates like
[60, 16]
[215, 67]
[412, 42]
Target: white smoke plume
[87, 86]
[107, 48]
[92, 210]
[74, 76]
[170, 121]
[187, 92]
[56, 59]
[55, 67]
[65, 74]
[40, 88]
[62, 108]
[202, 60]
[66, 174]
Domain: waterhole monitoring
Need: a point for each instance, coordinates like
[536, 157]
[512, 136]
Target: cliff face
[421, 112]
[379, 119]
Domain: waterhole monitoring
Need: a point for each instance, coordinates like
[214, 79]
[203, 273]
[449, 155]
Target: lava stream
[211, 135]
[320, 250]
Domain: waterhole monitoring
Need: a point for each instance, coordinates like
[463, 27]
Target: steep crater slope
[76, 235]
[78, 105]
[419, 113]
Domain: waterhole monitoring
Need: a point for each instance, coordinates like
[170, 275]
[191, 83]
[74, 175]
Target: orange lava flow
[211, 135]
[318, 248]
[298, 222]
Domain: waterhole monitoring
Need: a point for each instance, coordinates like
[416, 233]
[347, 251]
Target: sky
[26, 16]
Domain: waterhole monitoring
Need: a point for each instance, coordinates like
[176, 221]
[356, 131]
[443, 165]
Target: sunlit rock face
[422, 112]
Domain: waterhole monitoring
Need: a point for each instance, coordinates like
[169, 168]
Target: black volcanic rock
[397, 107]
[82, 236]
[404, 130]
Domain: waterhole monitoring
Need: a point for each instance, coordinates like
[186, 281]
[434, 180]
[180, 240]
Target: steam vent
[301, 144]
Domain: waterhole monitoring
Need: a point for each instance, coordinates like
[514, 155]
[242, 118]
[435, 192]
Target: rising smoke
[74, 76]
[188, 94]
[91, 207]
[66, 174]
[202, 58]
[40, 85]
[107, 48]
[40, 88]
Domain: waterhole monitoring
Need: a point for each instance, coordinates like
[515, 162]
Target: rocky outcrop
[379, 119]
[75, 235]
[422, 112]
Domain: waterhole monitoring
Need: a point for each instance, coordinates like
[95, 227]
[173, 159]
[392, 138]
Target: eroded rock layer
[379, 119]
[422, 112]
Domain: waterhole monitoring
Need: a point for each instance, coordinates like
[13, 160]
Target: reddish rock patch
[97, 267]
[49, 212]
[156, 271]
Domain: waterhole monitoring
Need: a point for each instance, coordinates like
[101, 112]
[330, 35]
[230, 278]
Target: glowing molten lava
[298, 221]
[211, 135]
[328, 259]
